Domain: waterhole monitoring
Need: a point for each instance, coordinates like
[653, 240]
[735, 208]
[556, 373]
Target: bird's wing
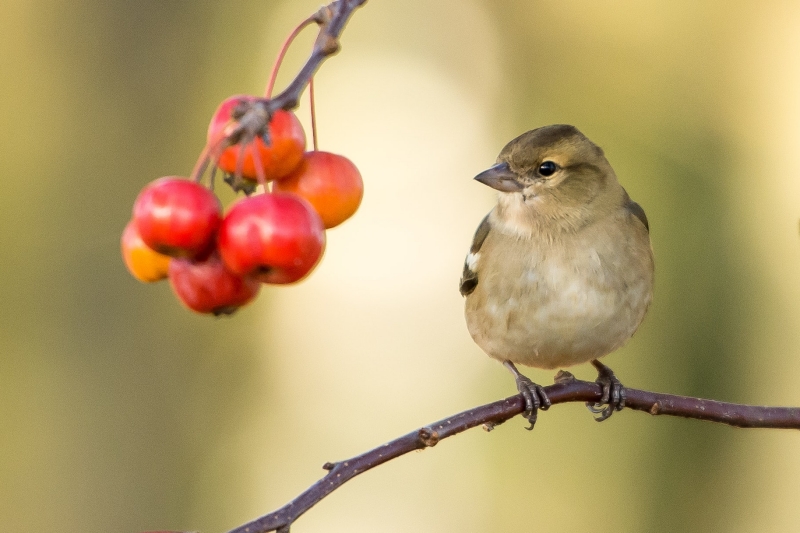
[469, 278]
[636, 210]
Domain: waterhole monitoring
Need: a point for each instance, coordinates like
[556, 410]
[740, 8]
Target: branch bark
[492, 414]
[331, 19]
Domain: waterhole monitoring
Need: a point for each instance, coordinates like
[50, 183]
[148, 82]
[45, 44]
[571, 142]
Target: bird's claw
[535, 399]
[613, 398]
[533, 393]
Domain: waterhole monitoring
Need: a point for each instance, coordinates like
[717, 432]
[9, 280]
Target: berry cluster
[216, 263]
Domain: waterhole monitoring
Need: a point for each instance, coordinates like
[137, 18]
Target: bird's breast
[557, 304]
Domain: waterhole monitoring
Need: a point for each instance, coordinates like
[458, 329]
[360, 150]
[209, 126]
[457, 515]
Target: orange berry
[331, 183]
[280, 157]
[144, 263]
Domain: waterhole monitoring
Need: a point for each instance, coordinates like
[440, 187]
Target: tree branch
[331, 19]
[568, 389]
[252, 116]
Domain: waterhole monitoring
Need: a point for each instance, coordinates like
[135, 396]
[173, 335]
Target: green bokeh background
[114, 400]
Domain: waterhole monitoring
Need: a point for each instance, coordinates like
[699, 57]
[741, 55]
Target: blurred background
[120, 411]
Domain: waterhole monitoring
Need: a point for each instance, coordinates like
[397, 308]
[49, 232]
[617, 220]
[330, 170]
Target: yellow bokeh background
[121, 412]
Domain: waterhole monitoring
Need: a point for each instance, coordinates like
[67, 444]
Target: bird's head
[552, 176]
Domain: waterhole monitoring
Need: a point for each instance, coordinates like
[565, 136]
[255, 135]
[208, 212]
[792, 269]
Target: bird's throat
[522, 217]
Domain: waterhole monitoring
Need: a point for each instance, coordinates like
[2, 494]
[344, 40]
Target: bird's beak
[500, 177]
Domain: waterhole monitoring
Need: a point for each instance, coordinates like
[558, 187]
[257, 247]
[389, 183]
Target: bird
[561, 270]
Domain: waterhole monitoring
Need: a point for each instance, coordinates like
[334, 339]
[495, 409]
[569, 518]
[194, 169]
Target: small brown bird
[560, 272]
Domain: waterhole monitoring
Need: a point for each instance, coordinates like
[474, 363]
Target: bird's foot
[534, 394]
[613, 398]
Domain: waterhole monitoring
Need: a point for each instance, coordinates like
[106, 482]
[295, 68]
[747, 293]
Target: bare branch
[250, 119]
[331, 19]
[492, 414]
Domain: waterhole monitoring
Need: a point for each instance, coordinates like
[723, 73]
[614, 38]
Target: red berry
[144, 263]
[280, 157]
[209, 287]
[177, 217]
[277, 237]
[330, 183]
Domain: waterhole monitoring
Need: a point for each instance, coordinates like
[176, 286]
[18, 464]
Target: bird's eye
[547, 168]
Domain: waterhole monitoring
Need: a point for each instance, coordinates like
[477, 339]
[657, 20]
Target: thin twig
[273, 75]
[492, 414]
[313, 106]
[254, 115]
[332, 19]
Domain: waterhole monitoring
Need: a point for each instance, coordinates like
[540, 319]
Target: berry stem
[240, 162]
[262, 178]
[295, 32]
[211, 152]
[201, 165]
[212, 176]
[313, 113]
